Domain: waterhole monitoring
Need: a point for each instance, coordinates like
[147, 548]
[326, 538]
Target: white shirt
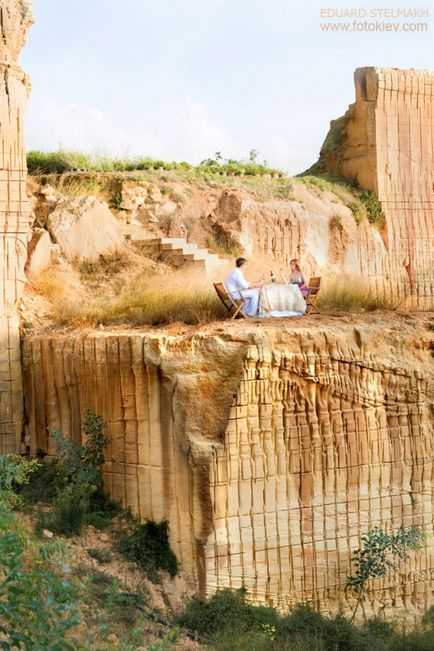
[236, 282]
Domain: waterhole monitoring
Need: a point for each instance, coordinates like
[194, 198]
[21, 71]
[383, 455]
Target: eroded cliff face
[385, 142]
[15, 18]
[270, 448]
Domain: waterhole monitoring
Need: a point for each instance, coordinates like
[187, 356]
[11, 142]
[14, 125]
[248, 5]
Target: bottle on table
[272, 277]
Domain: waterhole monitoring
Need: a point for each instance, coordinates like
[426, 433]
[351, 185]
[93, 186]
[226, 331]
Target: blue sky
[182, 79]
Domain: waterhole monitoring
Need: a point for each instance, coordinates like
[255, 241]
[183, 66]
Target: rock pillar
[385, 142]
[15, 18]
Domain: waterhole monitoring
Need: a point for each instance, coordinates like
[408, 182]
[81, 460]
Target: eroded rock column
[385, 142]
[15, 18]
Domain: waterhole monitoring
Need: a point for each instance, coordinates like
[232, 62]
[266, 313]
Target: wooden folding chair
[314, 287]
[234, 307]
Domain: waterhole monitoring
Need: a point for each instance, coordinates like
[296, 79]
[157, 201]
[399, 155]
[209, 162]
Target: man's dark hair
[240, 261]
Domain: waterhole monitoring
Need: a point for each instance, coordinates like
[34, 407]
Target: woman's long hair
[295, 261]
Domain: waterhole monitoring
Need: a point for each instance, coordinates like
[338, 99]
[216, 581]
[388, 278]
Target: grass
[74, 186]
[364, 204]
[40, 162]
[229, 622]
[349, 295]
[140, 303]
[106, 266]
[223, 246]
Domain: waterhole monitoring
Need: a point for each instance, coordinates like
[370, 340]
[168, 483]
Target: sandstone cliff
[385, 142]
[270, 450]
[15, 19]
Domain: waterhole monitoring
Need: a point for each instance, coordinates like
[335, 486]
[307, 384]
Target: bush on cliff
[37, 603]
[228, 622]
[364, 204]
[73, 482]
[148, 546]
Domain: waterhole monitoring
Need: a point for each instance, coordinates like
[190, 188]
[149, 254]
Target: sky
[183, 79]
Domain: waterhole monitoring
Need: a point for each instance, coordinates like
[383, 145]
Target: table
[281, 300]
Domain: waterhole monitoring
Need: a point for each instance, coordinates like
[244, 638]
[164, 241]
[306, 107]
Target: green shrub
[148, 545]
[373, 207]
[14, 471]
[380, 552]
[74, 483]
[362, 203]
[228, 622]
[70, 510]
[42, 485]
[226, 610]
[37, 605]
[40, 162]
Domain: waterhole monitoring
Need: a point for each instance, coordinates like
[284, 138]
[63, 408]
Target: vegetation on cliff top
[57, 168]
[59, 162]
[364, 204]
[137, 301]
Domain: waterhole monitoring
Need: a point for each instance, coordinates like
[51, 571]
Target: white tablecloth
[281, 300]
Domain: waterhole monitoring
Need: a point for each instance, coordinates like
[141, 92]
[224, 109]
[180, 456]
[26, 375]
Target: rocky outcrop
[270, 450]
[39, 252]
[84, 229]
[385, 142]
[15, 19]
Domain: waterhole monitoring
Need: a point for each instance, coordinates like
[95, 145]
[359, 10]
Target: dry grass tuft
[143, 304]
[72, 185]
[349, 295]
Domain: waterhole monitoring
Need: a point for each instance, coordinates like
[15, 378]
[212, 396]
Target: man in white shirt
[237, 286]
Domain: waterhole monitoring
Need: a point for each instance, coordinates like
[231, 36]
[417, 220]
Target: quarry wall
[385, 142]
[15, 18]
[269, 451]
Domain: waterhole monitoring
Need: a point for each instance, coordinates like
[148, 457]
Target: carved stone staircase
[186, 254]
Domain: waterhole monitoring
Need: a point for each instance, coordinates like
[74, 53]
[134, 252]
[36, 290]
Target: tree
[379, 552]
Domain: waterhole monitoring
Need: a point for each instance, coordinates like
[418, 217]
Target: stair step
[172, 240]
[179, 249]
[197, 256]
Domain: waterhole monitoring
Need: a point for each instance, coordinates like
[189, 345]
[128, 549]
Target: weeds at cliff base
[227, 621]
[148, 546]
[72, 483]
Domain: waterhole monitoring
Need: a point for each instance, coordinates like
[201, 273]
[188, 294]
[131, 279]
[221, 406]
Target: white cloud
[75, 126]
[185, 132]
[196, 133]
